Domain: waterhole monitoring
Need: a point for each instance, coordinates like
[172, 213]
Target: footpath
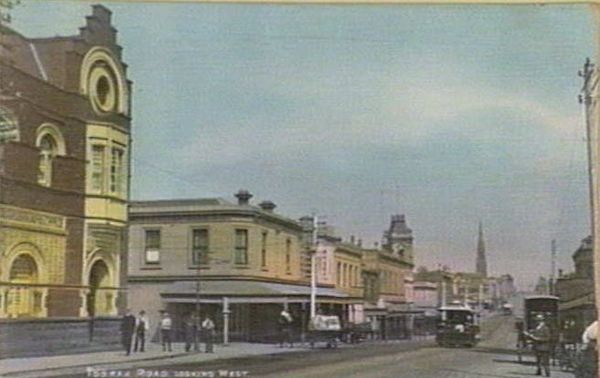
[112, 362]
[63, 365]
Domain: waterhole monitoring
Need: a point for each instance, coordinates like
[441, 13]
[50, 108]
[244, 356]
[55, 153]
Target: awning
[586, 300]
[240, 291]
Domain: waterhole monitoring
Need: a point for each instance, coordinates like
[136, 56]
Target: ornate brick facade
[64, 159]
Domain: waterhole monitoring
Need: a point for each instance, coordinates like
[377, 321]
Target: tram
[457, 326]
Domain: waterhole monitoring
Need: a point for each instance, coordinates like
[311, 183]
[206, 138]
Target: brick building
[64, 161]
[575, 290]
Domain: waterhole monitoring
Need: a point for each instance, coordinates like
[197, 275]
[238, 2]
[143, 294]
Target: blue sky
[449, 114]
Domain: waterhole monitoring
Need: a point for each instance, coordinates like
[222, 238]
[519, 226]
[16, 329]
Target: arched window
[9, 130]
[22, 299]
[48, 150]
[51, 144]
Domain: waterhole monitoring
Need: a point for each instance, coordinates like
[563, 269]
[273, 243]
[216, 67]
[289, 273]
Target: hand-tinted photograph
[195, 189]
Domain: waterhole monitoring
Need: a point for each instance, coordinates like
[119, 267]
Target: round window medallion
[103, 89]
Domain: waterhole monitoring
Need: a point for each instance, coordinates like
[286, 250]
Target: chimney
[267, 206]
[351, 239]
[243, 197]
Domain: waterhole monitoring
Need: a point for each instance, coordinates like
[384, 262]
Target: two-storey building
[239, 263]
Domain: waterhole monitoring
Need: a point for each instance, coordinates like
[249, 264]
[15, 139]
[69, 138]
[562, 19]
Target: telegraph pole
[313, 265]
[585, 98]
[553, 268]
[197, 313]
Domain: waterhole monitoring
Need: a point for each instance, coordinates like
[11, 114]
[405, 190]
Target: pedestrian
[541, 345]
[127, 329]
[285, 328]
[142, 325]
[208, 328]
[189, 330]
[166, 326]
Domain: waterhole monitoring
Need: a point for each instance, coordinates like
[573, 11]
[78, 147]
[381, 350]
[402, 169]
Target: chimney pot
[243, 197]
[267, 206]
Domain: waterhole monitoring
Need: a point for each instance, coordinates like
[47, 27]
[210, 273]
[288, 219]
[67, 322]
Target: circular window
[103, 89]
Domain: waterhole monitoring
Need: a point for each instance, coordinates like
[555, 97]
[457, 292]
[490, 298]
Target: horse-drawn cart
[327, 329]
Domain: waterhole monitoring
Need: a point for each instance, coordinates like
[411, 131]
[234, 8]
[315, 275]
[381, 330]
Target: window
[116, 171]
[288, 248]
[48, 150]
[21, 299]
[8, 127]
[241, 247]
[98, 168]
[200, 246]
[263, 250]
[338, 274]
[152, 247]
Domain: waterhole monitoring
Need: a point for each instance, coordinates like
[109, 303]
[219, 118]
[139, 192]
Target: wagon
[327, 329]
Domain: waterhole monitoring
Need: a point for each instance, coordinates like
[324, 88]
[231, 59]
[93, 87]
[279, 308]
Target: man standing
[189, 331]
[127, 328]
[166, 325]
[541, 345]
[285, 328]
[208, 327]
[142, 325]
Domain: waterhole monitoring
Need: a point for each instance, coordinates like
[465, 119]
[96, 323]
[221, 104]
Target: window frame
[263, 249]
[241, 248]
[103, 168]
[116, 170]
[193, 259]
[149, 249]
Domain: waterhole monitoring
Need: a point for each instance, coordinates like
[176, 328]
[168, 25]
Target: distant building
[378, 282]
[576, 289]
[65, 123]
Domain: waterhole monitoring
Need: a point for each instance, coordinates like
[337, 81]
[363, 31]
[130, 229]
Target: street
[493, 357]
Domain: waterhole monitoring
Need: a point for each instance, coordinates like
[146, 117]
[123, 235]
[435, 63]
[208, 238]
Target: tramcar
[457, 326]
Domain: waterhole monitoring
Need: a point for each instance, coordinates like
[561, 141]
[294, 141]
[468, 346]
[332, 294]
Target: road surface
[493, 357]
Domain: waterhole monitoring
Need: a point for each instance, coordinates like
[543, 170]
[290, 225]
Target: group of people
[134, 330]
[132, 326]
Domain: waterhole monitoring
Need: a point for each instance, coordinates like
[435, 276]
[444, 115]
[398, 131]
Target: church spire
[481, 267]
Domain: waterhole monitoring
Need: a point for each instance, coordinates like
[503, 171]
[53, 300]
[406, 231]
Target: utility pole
[313, 265]
[553, 268]
[197, 313]
[585, 98]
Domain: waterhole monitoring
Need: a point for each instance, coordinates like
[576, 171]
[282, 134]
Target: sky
[450, 115]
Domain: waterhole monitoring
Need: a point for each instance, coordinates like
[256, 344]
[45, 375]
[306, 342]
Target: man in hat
[127, 328]
[541, 345]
